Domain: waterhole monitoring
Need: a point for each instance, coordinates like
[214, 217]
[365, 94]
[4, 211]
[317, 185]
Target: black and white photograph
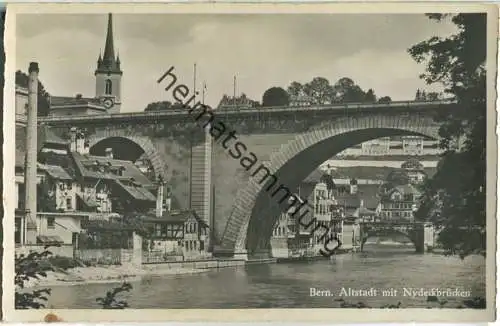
[173, 160]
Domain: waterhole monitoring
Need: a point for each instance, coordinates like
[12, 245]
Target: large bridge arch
[249, 226]
[127, 146]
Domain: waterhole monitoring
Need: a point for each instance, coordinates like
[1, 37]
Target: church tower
[108, 75]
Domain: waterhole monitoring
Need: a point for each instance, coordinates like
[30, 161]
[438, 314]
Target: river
[288, 285]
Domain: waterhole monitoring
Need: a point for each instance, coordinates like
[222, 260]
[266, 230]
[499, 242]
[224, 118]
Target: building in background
[394, 146]
[399, 203]
[415, 171]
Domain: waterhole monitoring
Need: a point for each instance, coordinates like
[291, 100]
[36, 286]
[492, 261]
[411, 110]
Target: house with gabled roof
[176, 234]
[400, 203]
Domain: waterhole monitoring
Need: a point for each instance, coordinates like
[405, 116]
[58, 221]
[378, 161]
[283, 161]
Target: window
[51, 221]
[108, 85]
[202, 245]
[69, 203]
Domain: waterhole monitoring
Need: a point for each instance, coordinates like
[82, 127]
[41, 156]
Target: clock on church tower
[109, 74]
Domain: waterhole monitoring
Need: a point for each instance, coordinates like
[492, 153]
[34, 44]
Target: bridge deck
[340, 109]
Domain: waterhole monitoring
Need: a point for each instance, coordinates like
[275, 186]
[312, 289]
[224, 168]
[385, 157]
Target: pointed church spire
[109, 49]
[108, 63]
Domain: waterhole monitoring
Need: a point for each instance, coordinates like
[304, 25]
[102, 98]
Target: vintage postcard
[236, 162]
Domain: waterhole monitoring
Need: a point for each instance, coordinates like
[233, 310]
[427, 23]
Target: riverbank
[107, 274]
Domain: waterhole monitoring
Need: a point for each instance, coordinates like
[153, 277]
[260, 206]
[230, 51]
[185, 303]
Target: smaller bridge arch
[368, 232]
[127, 147]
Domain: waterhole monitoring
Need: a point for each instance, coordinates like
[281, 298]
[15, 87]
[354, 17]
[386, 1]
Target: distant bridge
[421, 234]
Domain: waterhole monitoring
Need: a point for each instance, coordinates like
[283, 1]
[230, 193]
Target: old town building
[176, 235]
[399, 203]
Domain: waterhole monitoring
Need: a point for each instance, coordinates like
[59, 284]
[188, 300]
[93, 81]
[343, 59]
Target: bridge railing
[274, 109]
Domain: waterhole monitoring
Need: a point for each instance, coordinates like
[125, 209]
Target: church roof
[75, 101]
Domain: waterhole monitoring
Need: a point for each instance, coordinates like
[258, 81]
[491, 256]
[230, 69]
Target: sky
[262, 50]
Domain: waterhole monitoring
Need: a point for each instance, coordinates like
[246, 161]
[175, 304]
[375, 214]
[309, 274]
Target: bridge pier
[201, 179]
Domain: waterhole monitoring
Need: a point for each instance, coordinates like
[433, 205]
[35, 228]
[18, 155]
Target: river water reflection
[288, 285]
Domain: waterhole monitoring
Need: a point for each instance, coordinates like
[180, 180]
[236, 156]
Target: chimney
[72, 138]
[86, 146]
[353, 186]
[109, 152]
[78, 96]
[159, 198]
[80, 142]
[30, 177]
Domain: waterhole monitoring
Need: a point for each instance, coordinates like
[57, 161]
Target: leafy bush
[110, 301]
[28, 267]
[64, 262]
[35, 265]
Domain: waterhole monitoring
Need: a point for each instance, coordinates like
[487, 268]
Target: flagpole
[194, 82]
[234, 90]
[203, 93]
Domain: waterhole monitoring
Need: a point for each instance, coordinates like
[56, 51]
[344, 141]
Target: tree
[43, 96]
[370, 96]
[275, 96]
[28, 267]
[35, 266]
[418, 95]
[110, 301]
[295, 89]
[319, 90]
[158, 106]
[385, 99]
[345, 90]
[455, 197]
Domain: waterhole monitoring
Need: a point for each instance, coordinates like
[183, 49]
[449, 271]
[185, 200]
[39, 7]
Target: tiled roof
[367, 193]
[47, 136]
[58, 101]
[176, 217]
[412, 164]
[129, 170]
[89, 202]
[138, 193]
[314, 177]
[56, 172]
[406, 190]
[44, 136]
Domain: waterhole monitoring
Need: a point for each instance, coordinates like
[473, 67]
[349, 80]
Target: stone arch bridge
[421, 234]
[206, 173]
